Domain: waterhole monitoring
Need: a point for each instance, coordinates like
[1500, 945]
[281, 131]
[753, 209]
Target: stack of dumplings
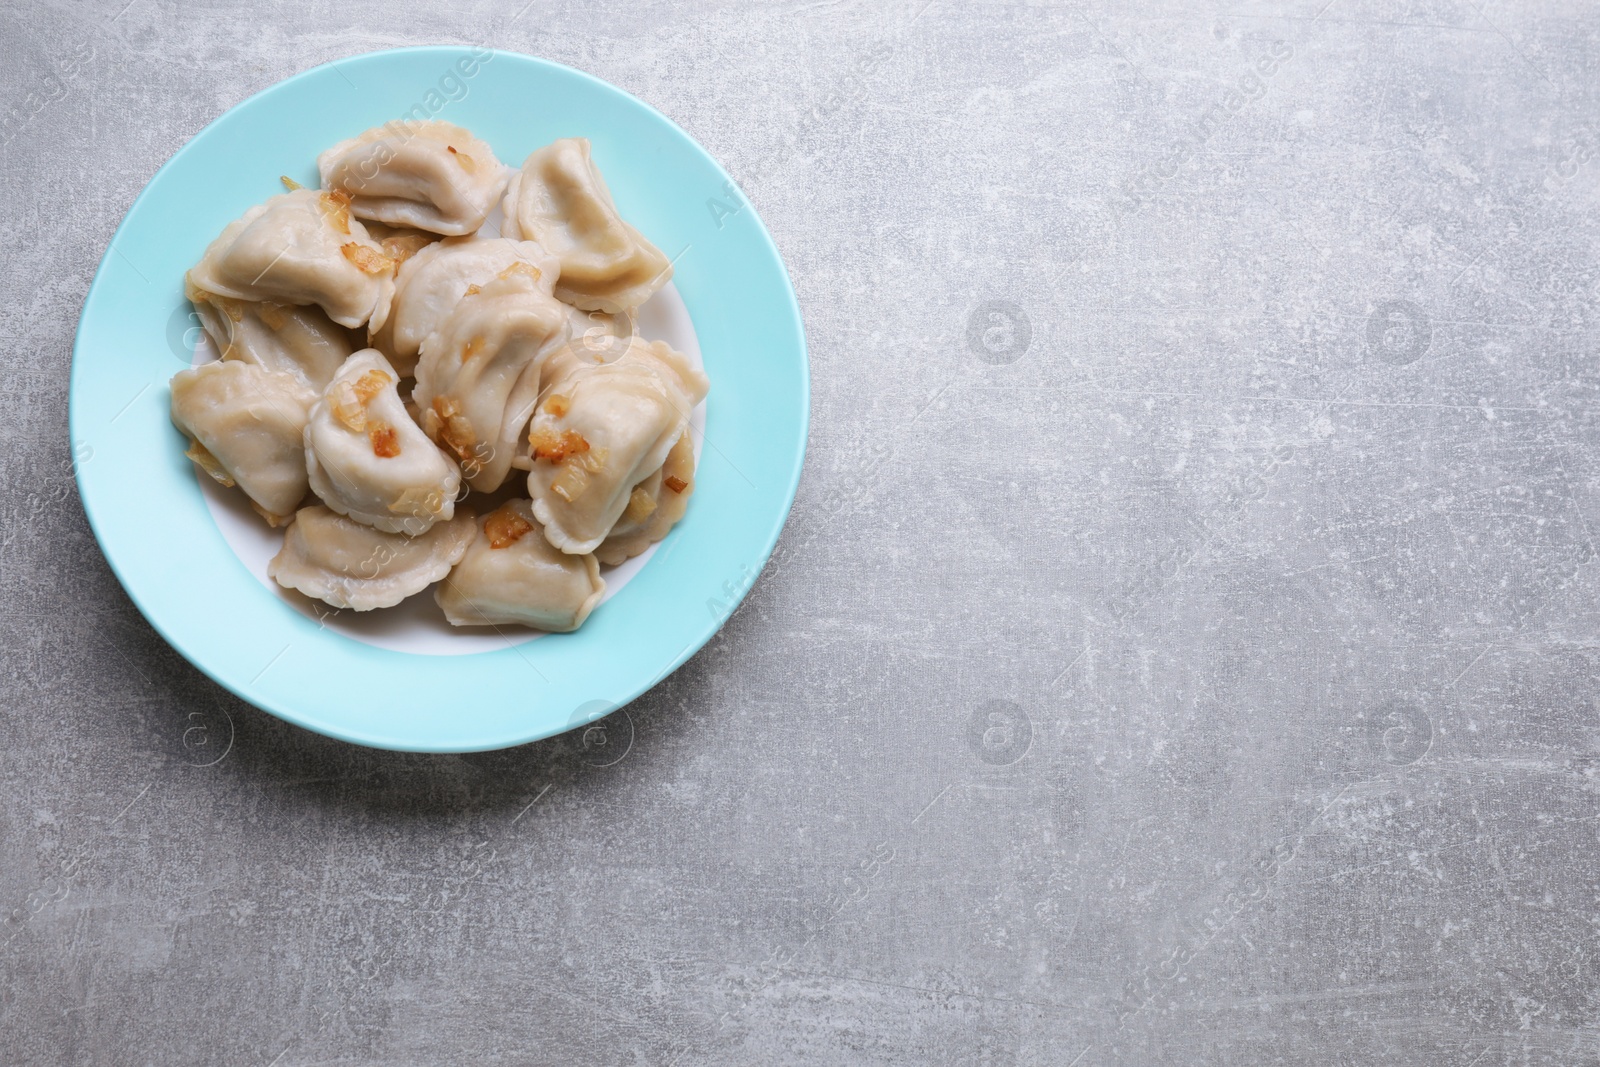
[393, 364]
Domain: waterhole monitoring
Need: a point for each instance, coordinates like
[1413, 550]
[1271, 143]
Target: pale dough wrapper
[368, 460]
[479, 373]
[246, 426]
[654, 507]
[350, 565]
[430, 284]
[429, 175]
[511, 575]
[559, 199]
[600, 429]
[290, 339]
[301, 247]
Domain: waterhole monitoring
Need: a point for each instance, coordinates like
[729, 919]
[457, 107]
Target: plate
[187, 561]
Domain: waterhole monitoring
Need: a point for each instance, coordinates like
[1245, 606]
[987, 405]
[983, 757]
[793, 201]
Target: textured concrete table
[1183, 648]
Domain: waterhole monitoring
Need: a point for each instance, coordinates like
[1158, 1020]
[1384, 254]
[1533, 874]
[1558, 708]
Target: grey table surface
[1183, 648]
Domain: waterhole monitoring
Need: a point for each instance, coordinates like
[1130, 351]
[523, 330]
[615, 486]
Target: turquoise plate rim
[145, 507]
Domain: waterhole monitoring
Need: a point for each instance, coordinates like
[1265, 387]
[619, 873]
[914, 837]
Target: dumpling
[289, 339]
[559, 199]
[431, 283]
[599, 430]
[654, 507]
[301, 247]
[478, 377]
[368, 460]
[510, 574]
[430, 175]
[351, 565]
[246, 427]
